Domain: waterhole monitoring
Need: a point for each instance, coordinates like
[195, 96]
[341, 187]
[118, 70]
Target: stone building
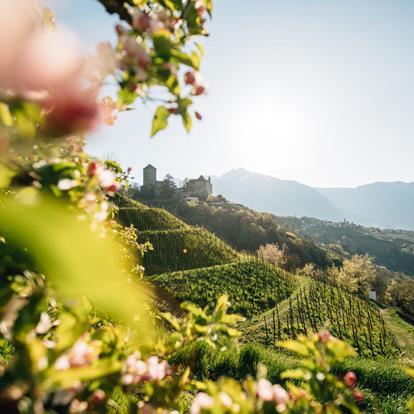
[150, 176]
[199, 187]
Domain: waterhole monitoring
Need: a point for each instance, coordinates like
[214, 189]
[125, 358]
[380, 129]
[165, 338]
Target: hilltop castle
[194, 189]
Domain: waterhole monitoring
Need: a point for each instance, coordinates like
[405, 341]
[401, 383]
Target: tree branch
[117, 7]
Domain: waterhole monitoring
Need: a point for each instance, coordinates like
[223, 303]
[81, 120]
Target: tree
[272, 253]
[400, 292]
[310, 270]
[167, 187]
[356, 275]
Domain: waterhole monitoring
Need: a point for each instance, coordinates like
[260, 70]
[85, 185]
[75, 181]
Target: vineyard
[191, 263]
[184, 249]
[144, 218]
[252, 285]
[347, 316]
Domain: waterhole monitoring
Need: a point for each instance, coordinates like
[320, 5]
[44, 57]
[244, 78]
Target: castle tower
[150, 176]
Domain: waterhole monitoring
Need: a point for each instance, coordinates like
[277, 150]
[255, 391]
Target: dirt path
[403, 331]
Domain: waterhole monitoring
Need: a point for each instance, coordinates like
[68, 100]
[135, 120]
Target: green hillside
[315, 305]
[253, 286]
[145, 218]
[176, 245]
[391, 248]
[247, 230]
[190, 263]
[186, 248]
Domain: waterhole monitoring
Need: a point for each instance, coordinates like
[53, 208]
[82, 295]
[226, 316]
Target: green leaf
[295, 346]
[160, 120]
[410, 372]
[171, 4]
[6, 175]
[126, 96]
[66, 378]
[293, 374]
[162, 43]
[200, 48]
[5, 115]
[75, 260]
[187, 121]
[192, 60]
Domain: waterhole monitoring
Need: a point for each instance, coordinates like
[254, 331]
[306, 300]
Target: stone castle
[194, 189]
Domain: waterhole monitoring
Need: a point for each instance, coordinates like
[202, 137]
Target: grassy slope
[246, 229]
[403, 331]
[383, 381]
[252, 286]
[176, 245]
[179, 246]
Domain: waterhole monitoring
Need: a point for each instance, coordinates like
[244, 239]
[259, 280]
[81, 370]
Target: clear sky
[318, 91]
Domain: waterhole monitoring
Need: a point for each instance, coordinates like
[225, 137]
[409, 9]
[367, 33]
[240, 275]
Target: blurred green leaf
[5, 116]
[187, 121]
[160, 120]
[78, 262]
[295, 347]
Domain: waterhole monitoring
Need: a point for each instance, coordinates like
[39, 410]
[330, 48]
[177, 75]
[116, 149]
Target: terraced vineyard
[252, 285]
[144, 218]
[315, 305]
[191, 263]
[184, 249]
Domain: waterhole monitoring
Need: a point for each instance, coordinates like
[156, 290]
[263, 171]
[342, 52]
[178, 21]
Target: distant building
[150, 176]
[193, 190]
[200, 187]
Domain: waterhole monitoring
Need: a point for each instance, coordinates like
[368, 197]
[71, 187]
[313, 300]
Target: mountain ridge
[380, 204]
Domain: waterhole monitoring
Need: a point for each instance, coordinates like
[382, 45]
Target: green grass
[253, 286]
[383, 381]
[403, 331]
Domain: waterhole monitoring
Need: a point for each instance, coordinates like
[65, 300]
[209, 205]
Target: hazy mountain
[378, 204]
[269, 194]
[385, 205]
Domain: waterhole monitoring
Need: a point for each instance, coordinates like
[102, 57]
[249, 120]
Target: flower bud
[350, 379]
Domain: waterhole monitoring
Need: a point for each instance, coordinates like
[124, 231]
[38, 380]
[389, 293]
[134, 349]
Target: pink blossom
[44, 64]
[66, 184]
[135, 51]
[78, 407]
[136, 370]
[280, 394]
[264, 390]
[105, 61]
[350, 379]
[201, 402]
[157, 370]
[48, 59]
[200, 7]
[189, 78]
[81, 354]
[225, 399]
[44, 325]
[98, 396]
[141, 20]
[71, 111]
[325, 337]
[17, 19]
[107, 108]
